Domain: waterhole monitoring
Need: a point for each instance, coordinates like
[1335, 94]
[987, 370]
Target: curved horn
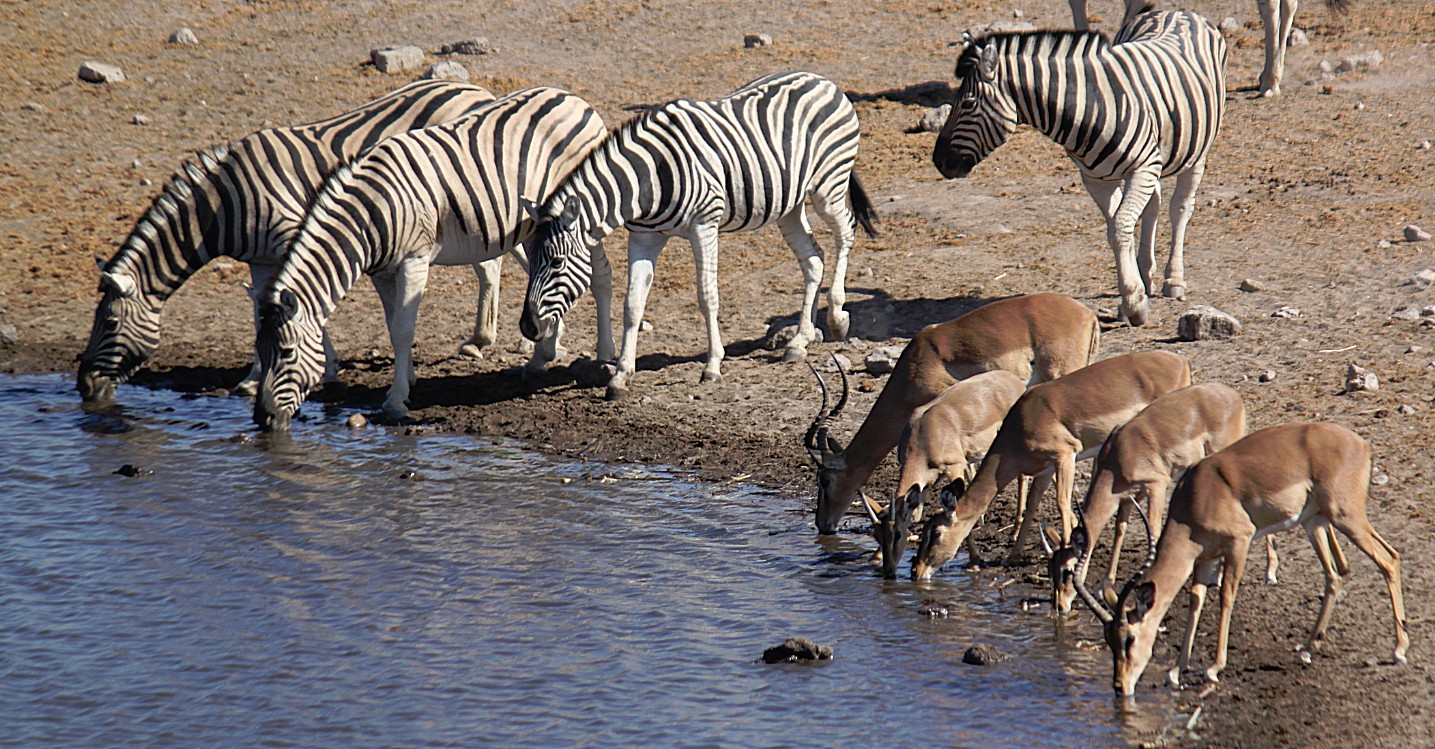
[1150, 551]
[846, 388]
[1083, 556]
[811, 439]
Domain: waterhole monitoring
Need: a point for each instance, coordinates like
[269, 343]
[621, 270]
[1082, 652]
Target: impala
[1315, 475]
[1054, 425]
[1038, 337]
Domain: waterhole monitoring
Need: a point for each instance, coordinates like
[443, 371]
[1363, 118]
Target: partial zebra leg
[798, 234]
[602, 286]
[1278, 17]
[704, 239]
[1146, 253]
[409, 283]
[1079, 20]
[1183, 204]
[485, 324]
[643, 251]
[834, 210]
[1121, 216]
[259, 275]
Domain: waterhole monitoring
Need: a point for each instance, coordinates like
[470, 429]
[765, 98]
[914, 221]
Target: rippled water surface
[370, 589]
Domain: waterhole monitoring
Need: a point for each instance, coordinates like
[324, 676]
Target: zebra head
[290, 344]
[560, 266]
[982, 117]
[124, 334]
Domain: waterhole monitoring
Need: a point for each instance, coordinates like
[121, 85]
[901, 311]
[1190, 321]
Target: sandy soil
[1299, 194]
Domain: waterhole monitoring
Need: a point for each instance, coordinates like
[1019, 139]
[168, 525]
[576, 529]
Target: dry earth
[1299, 194]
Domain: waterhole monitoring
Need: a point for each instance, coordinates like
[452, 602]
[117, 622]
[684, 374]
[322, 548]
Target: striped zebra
[1277, 16]
[244, 201]
[447, 195]
[693, 169]
[1128, 112]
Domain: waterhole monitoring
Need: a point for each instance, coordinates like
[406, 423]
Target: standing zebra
[1127, 112]
[447, 195]
[245, 201]
[693, 169]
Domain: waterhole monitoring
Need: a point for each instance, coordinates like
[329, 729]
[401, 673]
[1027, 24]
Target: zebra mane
[191, 177]
[1024, 39]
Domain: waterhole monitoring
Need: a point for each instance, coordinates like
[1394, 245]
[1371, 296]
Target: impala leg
[1065, 480]
[705, 257]
[1272, 561]
[1207, 574]
[1365, 538]
[643, 251]
[1233, 568]
[1023, 499]
[1183, 204]
[834, 210]
[798, 234]
[1123, 516]
[1318, 531]
[1028, 520]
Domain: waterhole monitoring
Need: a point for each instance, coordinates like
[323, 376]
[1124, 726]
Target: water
[371, 589]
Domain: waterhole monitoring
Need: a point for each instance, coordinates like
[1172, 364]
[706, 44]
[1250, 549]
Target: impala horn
[1079, 541]
[1150, 552]
[817, 441]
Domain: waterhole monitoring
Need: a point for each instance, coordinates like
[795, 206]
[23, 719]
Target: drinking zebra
[1128, 112]
[245, 201]
[693, 169]
[448, 195]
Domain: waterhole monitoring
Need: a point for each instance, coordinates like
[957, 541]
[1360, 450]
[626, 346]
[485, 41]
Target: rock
[934, 609]
[1361, 61]
[478, 46]
[1000, 27]
[1406, 409]
[9, 335]
[797, 650]
[183, 36]
[645, 327]
[1380, 479]
[448, 70]
[778, 336]
[1360, 379]
[1383, 244]
[357, 421]
[394, 59]
[1425, 145]
[133, 471]
[1249, 285]
[33, 106]
[1428, 310]
[756, 40]
[1202, 322]
[1414, 233]
[833, 362]
[1229, 25]
[983, 655]
[1326, 67]
[933, 120]
[1297, 38]
[1414, 348]
[882, 360]
[1287, 312]
[99, 72]
[139, 119]
[1424, 277]
[1327, 89]
[1016, 13]
[1267, 376]
[1406, 314]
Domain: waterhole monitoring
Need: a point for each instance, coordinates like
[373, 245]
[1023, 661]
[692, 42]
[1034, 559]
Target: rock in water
[796, 650]
[983, 655]
[133, 471]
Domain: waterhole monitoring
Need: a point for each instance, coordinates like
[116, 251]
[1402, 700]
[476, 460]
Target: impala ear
[532, 209]
[988, 66]
[951, 493]
[1143, 597]
[1078, 538]
[122, 284]
[874, 510]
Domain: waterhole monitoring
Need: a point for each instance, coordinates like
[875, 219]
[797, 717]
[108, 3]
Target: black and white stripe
[693, 169]
[448, 195]
[1128, 112]
[244, 200]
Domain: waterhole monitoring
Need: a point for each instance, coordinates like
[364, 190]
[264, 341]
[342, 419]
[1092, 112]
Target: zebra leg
[643, 251]
[1183, 203]
[1146, 256]
[798, 234]
[835, 211]
[1079, 20]
[259, 275]
[520, 253]
[1121, 216]
[1278, 16]
[409, 283]
[602, 286]
[485, 324]
[705, 256]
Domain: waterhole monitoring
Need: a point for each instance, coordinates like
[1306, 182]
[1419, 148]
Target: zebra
[1128, 112]
[242, 200]
[448, 195]
[693, 169]
[1277, 16]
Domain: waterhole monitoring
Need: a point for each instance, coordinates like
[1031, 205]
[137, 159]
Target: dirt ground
[1306, 194]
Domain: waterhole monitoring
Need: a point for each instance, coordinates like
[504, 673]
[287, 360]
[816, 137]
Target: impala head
[560, 257]
[1130, 629]
[124, 334]
[891, 525]
[290, 345]
[940, 536]
[982, 116]
[829, 455]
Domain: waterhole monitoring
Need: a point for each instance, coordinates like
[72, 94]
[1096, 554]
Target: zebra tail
[862, 209]
[1339, 6]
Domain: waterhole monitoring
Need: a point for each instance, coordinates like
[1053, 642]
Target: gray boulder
[1202, 322]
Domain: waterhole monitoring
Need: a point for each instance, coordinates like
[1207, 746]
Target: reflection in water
[366, 588]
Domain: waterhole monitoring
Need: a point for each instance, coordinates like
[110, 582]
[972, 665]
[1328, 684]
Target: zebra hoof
[1173, 290]
[1137, 316]
[471, 351]
[838, 325]
[248, 387]
[711, 377]
[791, 354]
[615, 393]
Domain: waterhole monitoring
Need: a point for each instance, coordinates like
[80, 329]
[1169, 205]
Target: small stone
[1359, 379]
[136, 164]
[478, 46]
[1203, 322]
[99, 72]
[394, 59]
[1229, 25]
[1428, 310]
[797, 650]
[133, 471]
[756, 40]
[1016, 13]
[1383, 244]
[33, 106]
[934, 609]
[1000, 27]
[1405, 409]
[1327, 89]
[1361, 61]
[183, 36]
[1267, 376]
[1414, 233]
[1380, 479]
[9, 335]
[1425, 145]
[983, 655]
[1424, 277]
[1406, 314]
[448, 70]
[408, 474]
[1297, 38]
[934, 118]
[357, 421]
[833, 362]
[1359, 106]
[1326, 67]
[645, 327]
[139, 119]
[883, 360]
[1250, 284]
[1287, 312]
[778, 336]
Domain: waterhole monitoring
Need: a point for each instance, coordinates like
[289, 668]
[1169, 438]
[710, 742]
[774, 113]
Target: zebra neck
[1064, 89]
[621, 183]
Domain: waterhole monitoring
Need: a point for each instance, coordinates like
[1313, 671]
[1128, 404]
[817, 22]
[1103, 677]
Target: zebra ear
[120, 283]
[988, 66]
[100, 262]
[289, 302]
[569, 216]
[531, 208]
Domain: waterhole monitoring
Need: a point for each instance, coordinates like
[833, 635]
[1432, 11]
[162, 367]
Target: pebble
[1326, 67]
[99, 72]
[448, 70]
[1230, 25]
[357, 421]
[1380, 479]
[756, 40]
[1414, 233]
[9, 335]
[1287, 312]
[1414, 348]
[1359, 379]
[833, 362]
[33, 106]
[778, 336]
[139, 119]
[1424, 277]
[394, 59]
[1297, 38]
[645, 327]
[1267, 376]
[1406, 409]
[1203, 322]
[796, 650]
[935, 117]
[1425, 145]
[183, 36]
[882, 360]
[1360, 61]
[983, 655]
[1249, 285]
[1406, 314]
[478, 46]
